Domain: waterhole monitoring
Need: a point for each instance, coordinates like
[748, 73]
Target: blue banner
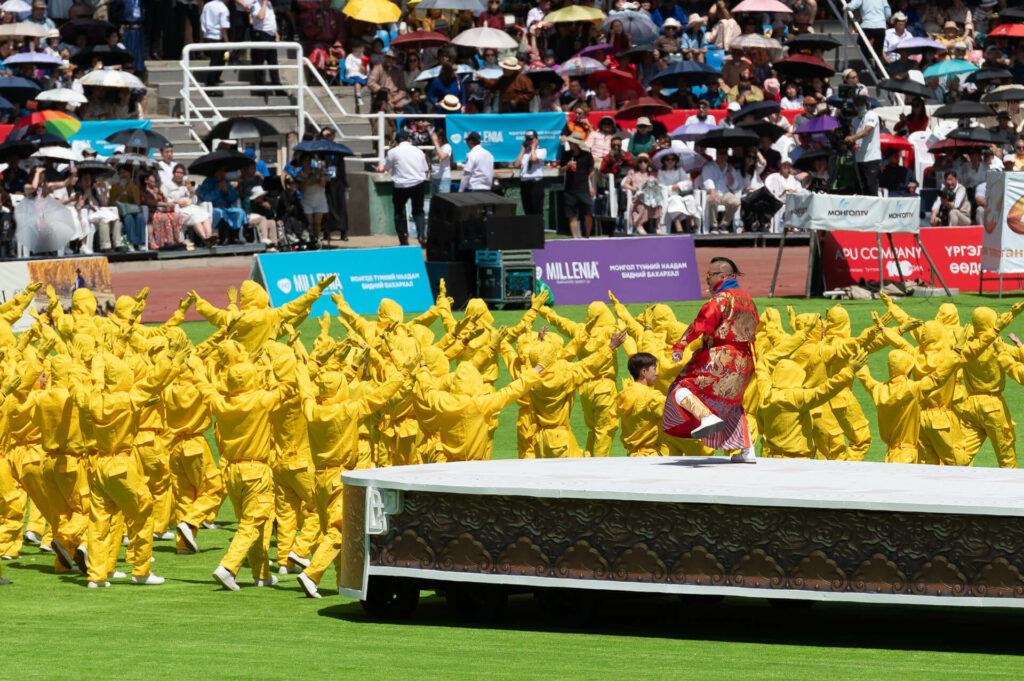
[94, 132]
[503, 134]
[365, 277]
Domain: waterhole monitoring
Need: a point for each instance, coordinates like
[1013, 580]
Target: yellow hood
[252, 296]
[477, 306]
[284, 367]
[117, 376]
[599, 311]
[900, 363]
[837, 322]
[389, 312]
[437, 363]
[241, 378]
[176, 339]
[948, 315]
[83, 302]
[60, 369]
[423, 335]
[333, 386]
[983, 319]
[543, 354]
[806, 322]
[467, 380]
[83, 347]
[931, 333]
[124, 307]
[662, 318]
[788, 374]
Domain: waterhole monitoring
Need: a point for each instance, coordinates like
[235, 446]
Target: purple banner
[636, 270]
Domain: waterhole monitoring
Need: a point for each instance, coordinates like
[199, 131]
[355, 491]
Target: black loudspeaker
[459, 280]
[513, 233]
[457, 221]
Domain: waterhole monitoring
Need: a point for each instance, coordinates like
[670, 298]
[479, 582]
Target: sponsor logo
[284, 285]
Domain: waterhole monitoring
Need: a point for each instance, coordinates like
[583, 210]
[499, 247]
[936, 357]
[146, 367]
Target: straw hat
[451, 103]
[674, 23]
[577, 139]
[949, 24]
[899, 16]
[644, 120]
[641, 157]
[695, 20]
[510, 64]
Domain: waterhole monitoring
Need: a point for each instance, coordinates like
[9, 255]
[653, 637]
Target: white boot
[709, 423]
[746, 455]
[148, 580]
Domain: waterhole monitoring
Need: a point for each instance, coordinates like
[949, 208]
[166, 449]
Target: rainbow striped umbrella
[54, 122]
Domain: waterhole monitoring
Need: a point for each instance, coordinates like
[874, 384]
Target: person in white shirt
[357, 70]
[951, 208]
[869, 147]
[440, 163]
[894, 35]
[715, 179]
[530, 162]
[703, 114]
[165, 166]
[215, 22]
[408, 167]
[780, 184]
[478, 173]
[536, 15]
[264, 29]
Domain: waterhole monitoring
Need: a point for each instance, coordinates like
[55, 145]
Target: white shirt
[478, 173]
[891, 40]
[968, 176]
[779, 186]
[529, 170]
[407, 165]
[535, 15]
[215, 17]
[354, 67]
[787, 103]
[741, 182]
[868, 148]
[713, 177]
[958, 200]
[166, 171]
[441, 170]
[269, 23]
[695, 118]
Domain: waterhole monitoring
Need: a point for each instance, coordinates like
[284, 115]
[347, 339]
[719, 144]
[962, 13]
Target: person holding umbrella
[915, 122]
[96, 216]
[126, 196]
[312, 182]
[216, 190]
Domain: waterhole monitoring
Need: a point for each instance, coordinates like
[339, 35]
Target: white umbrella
[62, 94]
[485, 38]
[24, 29]
[58, 153]
[16, 6]
[105, 78]
[637, 25]
[689, 160]
[432, 73]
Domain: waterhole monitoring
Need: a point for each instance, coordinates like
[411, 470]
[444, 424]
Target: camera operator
[869, 147]
[951, 208]
[530, 162]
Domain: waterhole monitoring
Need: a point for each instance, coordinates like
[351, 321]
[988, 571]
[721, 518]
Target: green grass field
[190, 629]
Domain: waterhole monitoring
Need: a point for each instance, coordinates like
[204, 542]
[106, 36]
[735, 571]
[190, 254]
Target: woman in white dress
[44, 224]
[680, 203]
[182, 194]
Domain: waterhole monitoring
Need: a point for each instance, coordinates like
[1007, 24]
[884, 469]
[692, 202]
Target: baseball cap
[734, 106]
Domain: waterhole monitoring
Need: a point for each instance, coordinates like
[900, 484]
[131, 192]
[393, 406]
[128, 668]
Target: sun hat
[644, 120]
[949, 24]
[899, 16]
[451, 103]
[695, 20]
[510, 64]
[577, 139]
[674, 23]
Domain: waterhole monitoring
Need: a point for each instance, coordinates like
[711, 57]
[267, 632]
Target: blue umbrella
[760, 109]
[684, 73]
[637, 25]
[949, 67]
[37, 58]
[323, 147]
[818, 124]
[692, 131]
[18, 88]
[5, 104]
[431, 74]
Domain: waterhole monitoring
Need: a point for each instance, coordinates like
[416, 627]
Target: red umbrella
[950, 146]
[644, 106]
[418, 40]
[621, 84]
[1007, 31]
[804, 66]
[896, 142]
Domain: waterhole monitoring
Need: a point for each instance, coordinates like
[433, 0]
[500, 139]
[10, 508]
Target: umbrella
[34, 58]
[94, 168]
[486, 38]
[432, 73]
[756, 41]
[804, 66]
[18, 89]
[58, 154]
[633, 52]
[452, 5]
[763, 129]
[133, 160]
[637, 25]
[949, 67]
[62, 94]
[596, 51]
[489, 72]
[727, 138]
[1005, 93]
[811, 41]
[963, 109]
[807, 159]
[689, 160]
[541, 76]
[228, 159]
[686, 73]
[25, 29]
[323, 147]
[644, 106]
[373, 11]
[915, 45]
[96, 32]
[816, 125]
[16, 6]
[5, 103]
[1012, 14]
[948, 146]
[107, 54]
[621, 84]
[574, 13]
[836, 100]
[1007, 31]
[580, 66]
[54, 122]
[762, 6]
[118, 79]
[989, 74]
[136, 137]
[418, 40]
[21, 148]
[692, 131]
[242, 127]
[46, 139]
[976, 134]
[895, 142]
[905, 86]
[760, 109]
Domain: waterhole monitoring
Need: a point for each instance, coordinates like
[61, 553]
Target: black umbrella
[984, 75]
[21, 148]
[905, 86]
[242, 127]
[807, 159]
[541, 76]
[323, 147]
[96, 32]
[18, 89]
[727, 138]
[812, 41]
[1014, 14]
[94, 168]
[635, 52]
[1005, 93]
[901, 66]
[134, 161]
[43, 139]
[758, 109]
[976, 135]
[228, 159]
[136, 137]
[109, 55]
[763, 128]
[963, 109]
[686, 73]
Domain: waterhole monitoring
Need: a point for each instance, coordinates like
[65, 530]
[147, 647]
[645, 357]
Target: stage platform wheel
[568, 607]
[391, 598]
[700, 599]
[790, 603]
[474, 603]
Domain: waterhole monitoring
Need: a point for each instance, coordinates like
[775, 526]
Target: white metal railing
[871, 59]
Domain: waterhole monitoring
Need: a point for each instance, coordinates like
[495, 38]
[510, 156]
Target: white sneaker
[210, 526]
[124, 541]
[708, 425]
[746, 455]
[283, 570]
[98, 585]
[148, 580]
[224, 576]
[33, 538]
[46, 548]
[297, 559]
[308, 585]
[267, 582]
[188, 536]
[116, 574]
[82, 558]
[163, 536]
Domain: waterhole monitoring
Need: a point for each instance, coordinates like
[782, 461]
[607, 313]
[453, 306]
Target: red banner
[853, 256]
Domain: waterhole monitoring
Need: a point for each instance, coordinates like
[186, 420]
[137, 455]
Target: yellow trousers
[854, 425]
[12, 510]
[329, 506]
[901, 453]
[597, 398]
[556, 443]
[987, 416]
[156, 465]
[117, 483]
[526, 433]
[775, 454]
[195, 482]
[400, 447]
[250, 488]
[295, 507]
[646, 451]
[941, 440]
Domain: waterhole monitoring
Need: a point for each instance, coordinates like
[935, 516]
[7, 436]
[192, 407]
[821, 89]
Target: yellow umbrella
[574, 13]
[373, 11]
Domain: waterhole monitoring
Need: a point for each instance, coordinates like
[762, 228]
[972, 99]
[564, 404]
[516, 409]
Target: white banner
[1002, 246]
[837, 213]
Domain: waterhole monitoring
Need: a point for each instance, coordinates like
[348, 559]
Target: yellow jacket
[589, 338]
[552, 397]
[986, 373]
[786, 406]
[640, 408]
